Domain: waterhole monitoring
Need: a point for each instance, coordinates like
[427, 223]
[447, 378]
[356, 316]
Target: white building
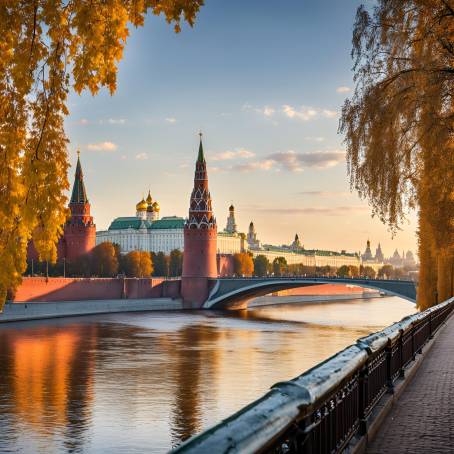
[313, 258]
[147, 232]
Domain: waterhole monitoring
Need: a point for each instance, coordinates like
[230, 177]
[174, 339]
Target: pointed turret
[79, 194]
[80, 231]
[201, 156]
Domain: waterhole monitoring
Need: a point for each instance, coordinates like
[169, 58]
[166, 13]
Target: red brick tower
[200, 239]
[80, 232]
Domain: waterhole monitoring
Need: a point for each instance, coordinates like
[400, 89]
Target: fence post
[363, 385]
[389, 378]
[401, 355]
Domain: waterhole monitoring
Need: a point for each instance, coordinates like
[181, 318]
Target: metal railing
[323, 409]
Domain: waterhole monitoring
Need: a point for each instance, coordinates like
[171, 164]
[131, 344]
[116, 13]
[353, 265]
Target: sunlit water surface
[142, 382]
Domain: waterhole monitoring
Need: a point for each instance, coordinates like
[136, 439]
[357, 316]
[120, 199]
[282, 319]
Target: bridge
[233, 293]
[390, 392]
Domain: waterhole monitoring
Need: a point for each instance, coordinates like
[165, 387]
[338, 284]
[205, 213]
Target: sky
[265, 82]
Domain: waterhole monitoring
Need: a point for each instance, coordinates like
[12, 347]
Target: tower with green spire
[200, 239]
[80, 231]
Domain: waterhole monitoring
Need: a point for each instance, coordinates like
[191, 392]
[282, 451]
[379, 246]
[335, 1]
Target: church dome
[149, 198]
[141, 206]
[231, 208]
[150, 208]
[156, 206]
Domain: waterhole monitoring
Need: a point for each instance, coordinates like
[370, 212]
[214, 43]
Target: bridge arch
[234, 293]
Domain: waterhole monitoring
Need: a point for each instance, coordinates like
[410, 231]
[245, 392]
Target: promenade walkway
[422, 420]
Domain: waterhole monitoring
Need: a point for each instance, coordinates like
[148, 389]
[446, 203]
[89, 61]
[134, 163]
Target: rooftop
[133, 222]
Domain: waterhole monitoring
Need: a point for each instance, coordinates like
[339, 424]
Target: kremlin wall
[207, 252]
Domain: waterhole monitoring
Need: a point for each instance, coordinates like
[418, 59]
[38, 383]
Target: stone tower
[231, 223]
[200, 239]
[79, 231]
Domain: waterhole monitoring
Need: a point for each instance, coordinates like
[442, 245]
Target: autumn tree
[243, 264]
[80, 267]
[138, 264]
[261, 265]
[368, 271]
[279, 266]
[386, 271]
[398, 126]
[47, 48]
[343, 271]
[175, 262]
[161, 264]
[104, 262]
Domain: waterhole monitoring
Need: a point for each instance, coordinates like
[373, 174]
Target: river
[142, 382]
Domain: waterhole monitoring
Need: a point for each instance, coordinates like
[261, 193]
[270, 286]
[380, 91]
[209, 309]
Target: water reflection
[146, 381]
[46, 385]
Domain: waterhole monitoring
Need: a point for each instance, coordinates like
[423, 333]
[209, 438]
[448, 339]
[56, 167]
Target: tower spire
[200, 157]
[79, 194]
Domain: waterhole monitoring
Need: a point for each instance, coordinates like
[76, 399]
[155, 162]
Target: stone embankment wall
[53, 289]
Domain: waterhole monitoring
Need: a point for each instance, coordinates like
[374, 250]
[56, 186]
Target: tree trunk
[427, 289]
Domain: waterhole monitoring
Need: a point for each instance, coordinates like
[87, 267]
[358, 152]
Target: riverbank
[42, 310]
[270, 300]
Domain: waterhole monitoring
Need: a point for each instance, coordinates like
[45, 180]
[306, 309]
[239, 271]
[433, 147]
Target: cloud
[266, 164]
[102, 146]
[83, 121]
[302, 113]
[142, 156]
[238, 153]
[343, 89]
[329, 113]
[327, 211]
[116, 121]
[296, 161]
[171, 120]
[293, 161]
[266, 111]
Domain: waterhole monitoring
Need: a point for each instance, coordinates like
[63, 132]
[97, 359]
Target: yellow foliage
[47, 46]
[243, 264]
[398, 127]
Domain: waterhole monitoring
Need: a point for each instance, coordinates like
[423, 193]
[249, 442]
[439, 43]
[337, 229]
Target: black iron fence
[323, 409]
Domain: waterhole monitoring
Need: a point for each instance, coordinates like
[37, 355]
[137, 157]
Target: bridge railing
[324, 408]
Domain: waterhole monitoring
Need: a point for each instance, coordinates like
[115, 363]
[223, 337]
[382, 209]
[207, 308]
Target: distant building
[296, 254]
[410, 260]
[367, 259]
[252, 241]
[231, 223]
[367, 256]
[379, 257]
[296, 245]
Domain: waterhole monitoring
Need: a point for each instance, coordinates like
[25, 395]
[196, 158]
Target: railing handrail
[292, 412]
[297, 277]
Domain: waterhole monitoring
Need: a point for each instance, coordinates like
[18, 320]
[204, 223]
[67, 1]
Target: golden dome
[141, 206]
[150, 208]
[149, 198]
[156, 206]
